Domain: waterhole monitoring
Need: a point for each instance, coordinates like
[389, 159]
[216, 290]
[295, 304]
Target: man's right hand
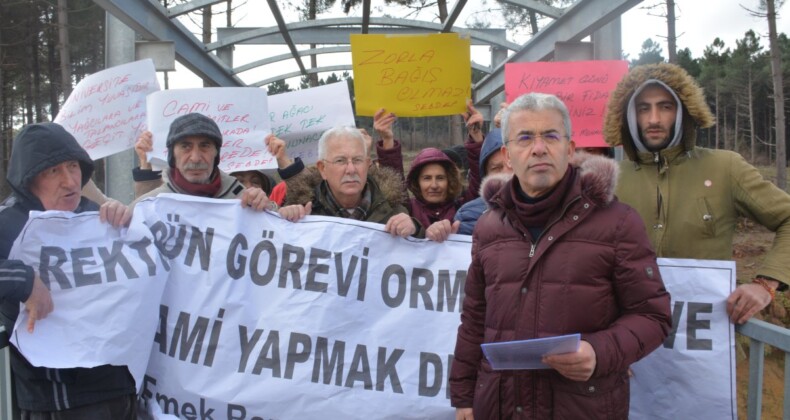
[464, 414]
[276, 147]
[499, 114]
[143, 145]
[296, 212]
[38, 304]
[382, 123]
[439, 231]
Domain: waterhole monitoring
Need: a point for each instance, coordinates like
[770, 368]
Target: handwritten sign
[584, 86]
[300, 117]
[240, 113]
[411, 75]
[106, 111]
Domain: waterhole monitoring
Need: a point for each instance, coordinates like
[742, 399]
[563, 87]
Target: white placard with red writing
[300, 117]
[106, 111]
[242, 116]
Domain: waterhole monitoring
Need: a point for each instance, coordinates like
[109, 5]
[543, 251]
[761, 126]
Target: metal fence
[762, 333]
[759, 332]
[6, 409]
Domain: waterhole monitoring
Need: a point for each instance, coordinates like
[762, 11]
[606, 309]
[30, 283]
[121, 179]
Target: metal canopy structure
[213, 62]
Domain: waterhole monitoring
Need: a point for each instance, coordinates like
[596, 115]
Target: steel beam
[578, 21]
[288, 56]
[453, 16]
[339, 67]
[191, 6]
[319, 32]
[149, 19]
[365, 16]
[278, 16]
[537, 7]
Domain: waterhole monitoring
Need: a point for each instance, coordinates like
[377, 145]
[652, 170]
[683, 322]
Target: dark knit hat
[41, 146]
[193, 124]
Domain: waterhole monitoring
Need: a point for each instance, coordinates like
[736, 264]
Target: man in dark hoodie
[691, 197]
[47, 171]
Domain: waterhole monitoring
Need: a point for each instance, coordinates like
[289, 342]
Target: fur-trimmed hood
[598, 175]
[696, 113]
[301, 188]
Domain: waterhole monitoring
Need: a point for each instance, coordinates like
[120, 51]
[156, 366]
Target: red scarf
[202, 190]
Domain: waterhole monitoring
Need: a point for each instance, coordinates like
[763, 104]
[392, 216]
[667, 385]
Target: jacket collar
[597, 180]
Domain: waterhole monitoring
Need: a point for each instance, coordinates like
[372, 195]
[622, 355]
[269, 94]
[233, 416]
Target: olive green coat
[690, 197]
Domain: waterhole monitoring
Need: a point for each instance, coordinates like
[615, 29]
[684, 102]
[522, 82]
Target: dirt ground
[750, 244]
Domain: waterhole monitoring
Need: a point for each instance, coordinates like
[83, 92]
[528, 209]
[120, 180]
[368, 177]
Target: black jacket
[38, 147]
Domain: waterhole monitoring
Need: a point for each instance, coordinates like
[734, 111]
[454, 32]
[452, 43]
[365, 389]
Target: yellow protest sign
[411, 75]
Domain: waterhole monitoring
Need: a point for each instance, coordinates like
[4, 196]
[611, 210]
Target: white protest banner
[325, 318]
[106, 285]
[241, 114]
[300, 117]
[106, 111]
[692, 376]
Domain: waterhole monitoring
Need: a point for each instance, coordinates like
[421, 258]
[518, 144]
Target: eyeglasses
[527, 140]
[343, 161]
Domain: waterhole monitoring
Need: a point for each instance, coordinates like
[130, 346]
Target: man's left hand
[747, 300]
[400, 225]
[256, 199]
[578, 366]
[115, 213]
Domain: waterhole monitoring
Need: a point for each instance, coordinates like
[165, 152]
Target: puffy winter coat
[691, 197]
[591, 271]
[384, 185]
[470, 212]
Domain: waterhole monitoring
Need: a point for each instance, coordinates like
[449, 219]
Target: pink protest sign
[584, 86]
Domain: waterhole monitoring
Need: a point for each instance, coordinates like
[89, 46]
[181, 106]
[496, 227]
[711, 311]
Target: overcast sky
[699, 23]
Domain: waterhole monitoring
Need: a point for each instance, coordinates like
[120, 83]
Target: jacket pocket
[706, 217]
[487, 396]
[600, 398]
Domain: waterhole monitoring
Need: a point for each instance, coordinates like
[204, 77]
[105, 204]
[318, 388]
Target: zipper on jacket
[656, 157]
[562, 214]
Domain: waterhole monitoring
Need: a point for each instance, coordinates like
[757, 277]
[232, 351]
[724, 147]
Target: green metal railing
[6, 408]
[762, 333]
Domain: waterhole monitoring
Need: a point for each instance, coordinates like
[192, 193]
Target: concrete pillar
[119, 49]
[608, 42]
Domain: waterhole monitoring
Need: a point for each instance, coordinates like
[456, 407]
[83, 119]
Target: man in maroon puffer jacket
[556, 254]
